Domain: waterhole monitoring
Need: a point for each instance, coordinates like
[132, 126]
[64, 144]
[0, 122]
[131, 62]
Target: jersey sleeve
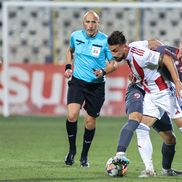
[72, 45]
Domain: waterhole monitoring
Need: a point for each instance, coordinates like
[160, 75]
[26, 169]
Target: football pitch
[33, 149]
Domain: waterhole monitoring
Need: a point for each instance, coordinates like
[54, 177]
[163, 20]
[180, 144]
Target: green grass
[33, 149]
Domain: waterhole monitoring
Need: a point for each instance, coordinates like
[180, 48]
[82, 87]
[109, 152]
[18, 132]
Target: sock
[168, 152]
[126, 135]
[145, 146]
[71, 128]
[87, 140]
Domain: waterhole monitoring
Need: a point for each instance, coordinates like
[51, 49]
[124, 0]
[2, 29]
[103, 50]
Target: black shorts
[164, 124]
[134, 103]
[134, 99]
[91, 94]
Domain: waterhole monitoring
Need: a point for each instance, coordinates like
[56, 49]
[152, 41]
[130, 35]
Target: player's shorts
[134, 99]
[135, 104]
[91, 94]
[164, 124]
[158, 103]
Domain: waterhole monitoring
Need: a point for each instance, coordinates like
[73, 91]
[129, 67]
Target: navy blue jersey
[171, 51]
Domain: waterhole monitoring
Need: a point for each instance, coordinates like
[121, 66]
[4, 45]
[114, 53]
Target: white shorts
[156, 104]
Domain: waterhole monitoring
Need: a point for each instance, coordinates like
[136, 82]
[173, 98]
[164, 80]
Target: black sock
[168, 152]
[87, 140]
[71, 128]
[126, 135]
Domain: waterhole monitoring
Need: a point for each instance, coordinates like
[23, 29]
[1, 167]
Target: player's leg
[166, 132]
[178, 122]
[144, 142]
[74, 101]
[134, 110]
[145, 149]
[95, 96]
[143, 136]
[145, 146]
[71, 128]
[164, 128]
[168, 152]
[89, 132]
[127, 132]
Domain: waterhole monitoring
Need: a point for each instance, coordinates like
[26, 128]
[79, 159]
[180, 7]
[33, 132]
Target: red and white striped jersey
[144, 65]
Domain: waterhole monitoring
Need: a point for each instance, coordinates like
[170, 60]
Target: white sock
[145, 146]
[121, 154]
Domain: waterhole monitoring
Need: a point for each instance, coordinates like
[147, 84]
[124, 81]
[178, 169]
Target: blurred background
[41, 35]
[37, 39]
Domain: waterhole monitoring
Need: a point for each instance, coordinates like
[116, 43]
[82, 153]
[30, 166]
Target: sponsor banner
[42, 90]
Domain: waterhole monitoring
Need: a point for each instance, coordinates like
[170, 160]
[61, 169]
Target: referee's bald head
[91, 13]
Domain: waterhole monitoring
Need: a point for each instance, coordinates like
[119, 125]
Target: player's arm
[151, 44]
[110, 67]
[168, 62]
[69, 59]
[154, 43]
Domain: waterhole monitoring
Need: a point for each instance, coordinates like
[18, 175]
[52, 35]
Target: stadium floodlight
[75, 5]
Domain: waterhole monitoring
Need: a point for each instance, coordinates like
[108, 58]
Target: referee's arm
[68, 66]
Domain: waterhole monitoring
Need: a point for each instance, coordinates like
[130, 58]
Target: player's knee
[72, 116]
[135, 116]
[90, 122]
[170, 140]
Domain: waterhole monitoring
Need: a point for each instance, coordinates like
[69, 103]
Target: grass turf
[33, 149]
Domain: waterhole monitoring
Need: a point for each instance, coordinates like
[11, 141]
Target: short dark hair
[116, 37]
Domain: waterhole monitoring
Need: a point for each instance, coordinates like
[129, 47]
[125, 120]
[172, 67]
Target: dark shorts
[91, 94]
[134, 99]
[164, 124]
[134, 103]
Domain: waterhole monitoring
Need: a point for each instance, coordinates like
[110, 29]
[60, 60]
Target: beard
[119, 59]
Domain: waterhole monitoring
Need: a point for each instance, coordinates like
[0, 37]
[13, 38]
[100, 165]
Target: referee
[92, 61]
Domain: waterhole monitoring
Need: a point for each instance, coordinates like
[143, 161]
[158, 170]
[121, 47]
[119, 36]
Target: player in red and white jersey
[163, 127]
[144, 64]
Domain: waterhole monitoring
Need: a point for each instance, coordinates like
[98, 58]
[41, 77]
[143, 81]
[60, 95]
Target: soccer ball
[116, 169]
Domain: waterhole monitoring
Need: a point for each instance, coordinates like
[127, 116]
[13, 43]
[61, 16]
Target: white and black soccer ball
[116, 169]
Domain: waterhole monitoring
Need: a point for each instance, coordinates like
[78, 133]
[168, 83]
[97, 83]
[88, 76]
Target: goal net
[37, 33]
